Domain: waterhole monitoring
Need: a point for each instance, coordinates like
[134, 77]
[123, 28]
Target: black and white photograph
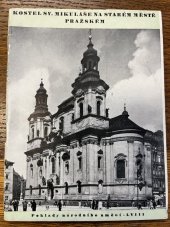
[86, 124]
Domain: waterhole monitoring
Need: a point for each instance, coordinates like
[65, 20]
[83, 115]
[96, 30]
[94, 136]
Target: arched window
[32, 133]
[79, 186]
[107, 112]
[120, 168]
[31, 169]
[61, 123]
[79, 157]
[98, 107]
[81, 109]
[99, 162]
[45, 131]
[66, 188]
[38, 133]
[80, 162]
[99, 159]
[53, 165]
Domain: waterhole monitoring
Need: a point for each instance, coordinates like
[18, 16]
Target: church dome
[41, 107]
[90, 51]
[41, 89]
[90, 58]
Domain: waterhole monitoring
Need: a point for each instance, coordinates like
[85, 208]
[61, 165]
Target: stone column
[131, 162]
[76, 109]
[57, 164]
[48, 167]
[112, 169]
[104, 161]
[61, 171]
[91, 162]
[108, 167]
[34, 178]
[87, 163]
[37, 171]
[85, 106]
[84, 159]
[71, 166]
[27, 175]
[104, 106]
[72, 152]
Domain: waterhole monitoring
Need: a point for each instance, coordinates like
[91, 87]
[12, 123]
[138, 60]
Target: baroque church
[80, 153]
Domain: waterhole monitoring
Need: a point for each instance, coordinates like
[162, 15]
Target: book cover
[86, 136]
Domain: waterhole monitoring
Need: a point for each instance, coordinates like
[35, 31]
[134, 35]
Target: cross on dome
[125, 111]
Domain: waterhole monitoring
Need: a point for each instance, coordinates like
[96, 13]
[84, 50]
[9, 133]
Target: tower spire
[90, 38]
[41, 99]
[41, 84]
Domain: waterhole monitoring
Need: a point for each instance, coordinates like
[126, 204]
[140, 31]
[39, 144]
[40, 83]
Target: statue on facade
[57, 180]
[43, 181]
[50, 188]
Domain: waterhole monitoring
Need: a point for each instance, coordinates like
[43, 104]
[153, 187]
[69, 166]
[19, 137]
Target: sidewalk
[71, 208]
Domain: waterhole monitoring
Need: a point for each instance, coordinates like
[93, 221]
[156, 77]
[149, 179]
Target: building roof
[66, 102]
[65, 106]
[155, 138]
[122, 122]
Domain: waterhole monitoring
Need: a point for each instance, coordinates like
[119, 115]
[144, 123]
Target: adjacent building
[82, 153]
[8, 189]
[14, 183]
[158, 162]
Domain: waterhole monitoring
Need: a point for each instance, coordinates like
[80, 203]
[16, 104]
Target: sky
[130, 63]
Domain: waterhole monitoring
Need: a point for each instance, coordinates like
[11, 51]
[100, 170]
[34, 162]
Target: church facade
[80, 152]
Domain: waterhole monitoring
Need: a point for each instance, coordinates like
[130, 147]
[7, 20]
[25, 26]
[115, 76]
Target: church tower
[88, 89]
[39, 120]
[39, 129]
